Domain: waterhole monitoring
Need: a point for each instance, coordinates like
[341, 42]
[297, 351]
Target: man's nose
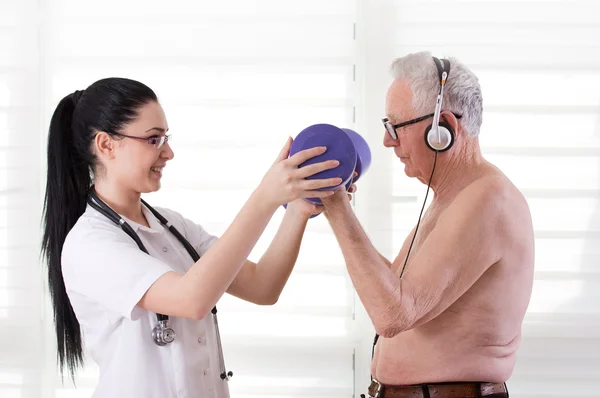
[388, 141]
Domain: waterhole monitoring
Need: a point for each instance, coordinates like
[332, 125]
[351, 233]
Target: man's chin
[409, 171]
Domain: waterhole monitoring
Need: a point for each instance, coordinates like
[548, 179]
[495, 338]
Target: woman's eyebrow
[159, 129]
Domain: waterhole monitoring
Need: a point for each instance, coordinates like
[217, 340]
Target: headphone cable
[420, 215]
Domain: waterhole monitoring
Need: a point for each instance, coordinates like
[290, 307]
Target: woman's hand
[306, 209]
[285, 182]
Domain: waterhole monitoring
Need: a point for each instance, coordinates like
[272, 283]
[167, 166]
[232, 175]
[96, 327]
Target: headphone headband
[439, 138]
[442, 65]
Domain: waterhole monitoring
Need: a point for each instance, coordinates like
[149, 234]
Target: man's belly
[418, 356]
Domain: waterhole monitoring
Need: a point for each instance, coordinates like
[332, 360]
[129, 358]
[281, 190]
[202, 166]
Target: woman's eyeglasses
[156, 140]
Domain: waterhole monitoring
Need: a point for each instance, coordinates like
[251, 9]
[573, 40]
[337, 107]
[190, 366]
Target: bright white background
[236, 78]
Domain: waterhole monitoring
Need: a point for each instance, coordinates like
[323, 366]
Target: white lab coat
[105, 275]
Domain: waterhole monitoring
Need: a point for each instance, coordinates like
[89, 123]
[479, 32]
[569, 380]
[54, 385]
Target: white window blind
[235, 78]
[21, 312]
[539, 68]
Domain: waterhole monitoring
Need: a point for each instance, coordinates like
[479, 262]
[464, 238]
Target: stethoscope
[162, 333]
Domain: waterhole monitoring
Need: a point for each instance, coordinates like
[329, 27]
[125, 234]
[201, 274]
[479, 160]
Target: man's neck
[453, 175]
[127, 203]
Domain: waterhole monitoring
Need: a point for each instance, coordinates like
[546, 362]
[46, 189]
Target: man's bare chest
[412, 244]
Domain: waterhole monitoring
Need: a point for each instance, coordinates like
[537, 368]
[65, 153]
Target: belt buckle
[378, 391]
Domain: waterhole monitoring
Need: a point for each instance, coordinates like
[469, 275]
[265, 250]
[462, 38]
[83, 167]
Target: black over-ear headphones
[439, 136]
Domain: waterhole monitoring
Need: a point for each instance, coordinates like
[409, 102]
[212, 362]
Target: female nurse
[139, 285]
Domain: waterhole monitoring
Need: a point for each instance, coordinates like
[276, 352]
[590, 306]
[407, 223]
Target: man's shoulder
[496, 202]
[493, 194]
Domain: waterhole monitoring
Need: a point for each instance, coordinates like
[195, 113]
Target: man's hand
[340, 196]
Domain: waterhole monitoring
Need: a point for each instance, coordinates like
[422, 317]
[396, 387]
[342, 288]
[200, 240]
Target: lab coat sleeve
[104, 265]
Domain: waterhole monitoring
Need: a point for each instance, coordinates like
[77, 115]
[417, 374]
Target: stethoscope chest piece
[162, 333]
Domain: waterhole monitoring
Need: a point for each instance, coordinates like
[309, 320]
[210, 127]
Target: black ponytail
[107, 105]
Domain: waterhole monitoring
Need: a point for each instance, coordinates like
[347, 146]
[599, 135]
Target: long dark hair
[107, 105]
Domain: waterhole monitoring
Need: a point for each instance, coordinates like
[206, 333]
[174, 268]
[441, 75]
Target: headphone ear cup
[446, 137]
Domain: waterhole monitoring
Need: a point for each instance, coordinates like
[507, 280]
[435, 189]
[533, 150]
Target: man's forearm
[385, 260]
[377, 286]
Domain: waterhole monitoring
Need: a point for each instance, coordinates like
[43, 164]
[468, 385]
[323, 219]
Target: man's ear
[450, 119]
[104, 145]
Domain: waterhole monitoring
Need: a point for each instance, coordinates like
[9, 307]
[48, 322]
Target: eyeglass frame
[391, 128]
[158, 141]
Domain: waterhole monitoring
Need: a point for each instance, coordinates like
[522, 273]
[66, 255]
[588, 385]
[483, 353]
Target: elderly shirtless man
[449, 316]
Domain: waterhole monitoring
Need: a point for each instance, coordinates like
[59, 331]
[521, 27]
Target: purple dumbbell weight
[363, 154]
[344, 145]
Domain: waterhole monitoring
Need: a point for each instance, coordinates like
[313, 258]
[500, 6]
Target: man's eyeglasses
[391, 128]
[156, 140]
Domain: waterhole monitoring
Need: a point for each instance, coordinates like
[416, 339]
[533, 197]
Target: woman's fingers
[302, 156]
[315, 168]
[285, 151]
[317, 194]
[307, 185]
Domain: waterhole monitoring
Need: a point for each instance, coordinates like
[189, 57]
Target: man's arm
[262, 283]
[385, 260]
[464, 243]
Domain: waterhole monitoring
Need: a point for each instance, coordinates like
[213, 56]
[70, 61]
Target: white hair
[462, 93]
